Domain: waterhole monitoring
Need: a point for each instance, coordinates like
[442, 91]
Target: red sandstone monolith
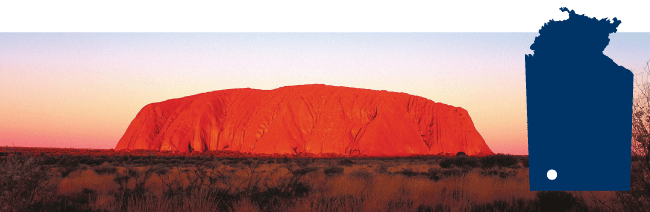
[313, 119]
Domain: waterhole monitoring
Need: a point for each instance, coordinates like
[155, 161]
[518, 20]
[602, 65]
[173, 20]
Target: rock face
[313, 119]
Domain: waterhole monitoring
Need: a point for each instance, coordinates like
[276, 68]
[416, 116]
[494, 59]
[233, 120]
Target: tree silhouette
[639, 194]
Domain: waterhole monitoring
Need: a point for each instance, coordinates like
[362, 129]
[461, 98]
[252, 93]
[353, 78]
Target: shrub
[86, 196]
[361, 174]
[84, 159]
[346, 162]
[106, 169]
[333, 170]
[122, 159]
[303, 171]
[304, 162]
[502, 173]
[49, 160]
[383, 168]
[409, 172]
[461, 154]
[83, 167]
[465, 161]
[462, 161]
[98, 161]
[69, 162]
[559, 201]
[500, 205]
[446, 163]
[524, 161]
[434, 174]
[454, 172]
[66, 170]
[137, 161]
[499, 160]
[22, 179]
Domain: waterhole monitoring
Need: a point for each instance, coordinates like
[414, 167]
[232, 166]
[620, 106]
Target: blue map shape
[579, 104]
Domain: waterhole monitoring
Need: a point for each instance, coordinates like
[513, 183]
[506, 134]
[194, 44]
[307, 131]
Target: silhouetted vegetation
[502, 173]
[554, 201]
[639, 194]
[346, 162]
[408, 172]
[203, 183]
[499, 160]
[333, 170]
[459, 161]
[525, 162]
[107, 169]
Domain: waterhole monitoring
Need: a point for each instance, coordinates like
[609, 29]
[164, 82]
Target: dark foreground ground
[41, 179]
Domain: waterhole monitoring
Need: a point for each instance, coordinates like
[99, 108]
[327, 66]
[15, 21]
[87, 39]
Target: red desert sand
[312, 119]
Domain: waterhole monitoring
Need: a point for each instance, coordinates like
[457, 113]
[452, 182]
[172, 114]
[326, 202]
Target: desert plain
[51, 179]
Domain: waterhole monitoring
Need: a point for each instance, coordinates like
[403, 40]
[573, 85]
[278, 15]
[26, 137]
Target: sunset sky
[82, 90]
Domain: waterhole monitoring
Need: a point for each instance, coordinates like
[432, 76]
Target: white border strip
[306, 16]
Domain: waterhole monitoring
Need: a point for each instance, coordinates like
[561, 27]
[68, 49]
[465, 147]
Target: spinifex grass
[199, 183]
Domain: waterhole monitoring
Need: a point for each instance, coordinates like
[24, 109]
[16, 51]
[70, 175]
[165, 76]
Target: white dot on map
[551, 174]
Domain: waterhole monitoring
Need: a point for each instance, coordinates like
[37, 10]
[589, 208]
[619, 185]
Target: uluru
[314, 119]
